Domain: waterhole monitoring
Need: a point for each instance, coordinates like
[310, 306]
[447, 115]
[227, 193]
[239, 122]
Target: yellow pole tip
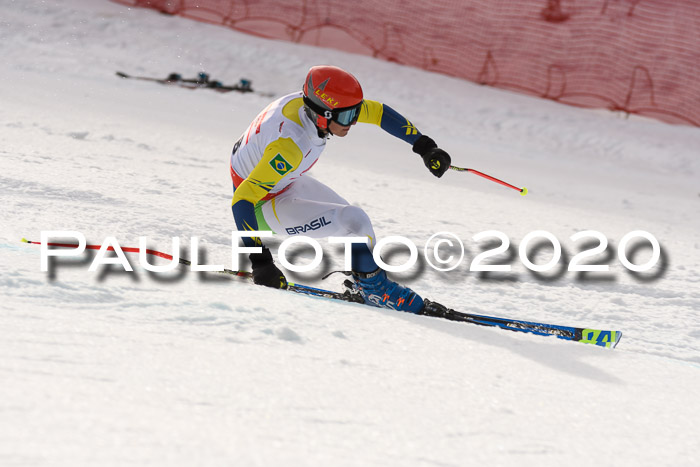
[25, 240]
[523, 192]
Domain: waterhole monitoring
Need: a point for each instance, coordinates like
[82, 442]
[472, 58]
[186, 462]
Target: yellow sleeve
[280, 157]
[371, 112]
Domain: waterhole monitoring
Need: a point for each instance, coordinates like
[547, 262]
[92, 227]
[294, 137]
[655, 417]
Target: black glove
[265, 272]
[435, 159]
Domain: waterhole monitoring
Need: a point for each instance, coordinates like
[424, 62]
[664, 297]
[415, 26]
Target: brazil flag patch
[280, 164]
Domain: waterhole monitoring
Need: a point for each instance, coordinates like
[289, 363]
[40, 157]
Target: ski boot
[376, 289]
[430, 308]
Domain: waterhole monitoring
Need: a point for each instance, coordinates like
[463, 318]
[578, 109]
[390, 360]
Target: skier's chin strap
[314, 112]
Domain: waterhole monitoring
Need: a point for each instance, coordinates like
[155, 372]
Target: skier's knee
[355, 221]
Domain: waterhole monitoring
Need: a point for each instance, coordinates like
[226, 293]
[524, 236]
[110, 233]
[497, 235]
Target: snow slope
[116, 368]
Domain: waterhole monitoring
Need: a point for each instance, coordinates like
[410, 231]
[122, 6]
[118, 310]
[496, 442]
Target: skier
[273, 192]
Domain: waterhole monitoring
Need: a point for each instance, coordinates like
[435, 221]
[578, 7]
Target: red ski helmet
[331, 93]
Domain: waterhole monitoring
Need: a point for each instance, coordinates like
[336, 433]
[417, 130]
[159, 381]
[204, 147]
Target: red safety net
[636, 56]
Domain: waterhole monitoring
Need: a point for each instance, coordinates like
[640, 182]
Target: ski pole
[128, 249]
[292, 287]
[523, 190]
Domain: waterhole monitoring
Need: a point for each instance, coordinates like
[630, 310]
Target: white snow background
[180, 369]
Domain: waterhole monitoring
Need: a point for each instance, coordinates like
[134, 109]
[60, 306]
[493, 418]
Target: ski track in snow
[114, 368]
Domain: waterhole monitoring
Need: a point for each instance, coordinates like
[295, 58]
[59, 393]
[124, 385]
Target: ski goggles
[347, 116]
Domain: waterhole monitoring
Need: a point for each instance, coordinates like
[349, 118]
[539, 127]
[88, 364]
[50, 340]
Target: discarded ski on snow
[202, 81]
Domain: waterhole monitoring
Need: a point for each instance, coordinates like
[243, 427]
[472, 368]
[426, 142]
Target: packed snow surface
[184, 368]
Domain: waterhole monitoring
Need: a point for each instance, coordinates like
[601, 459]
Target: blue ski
[599, 337]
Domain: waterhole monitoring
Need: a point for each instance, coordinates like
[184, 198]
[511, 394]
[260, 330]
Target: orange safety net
[636, 56]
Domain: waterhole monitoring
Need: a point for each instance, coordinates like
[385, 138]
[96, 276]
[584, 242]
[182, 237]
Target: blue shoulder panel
[398, 125]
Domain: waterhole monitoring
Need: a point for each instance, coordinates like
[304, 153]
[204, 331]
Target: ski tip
[618, 336]
[607, 339]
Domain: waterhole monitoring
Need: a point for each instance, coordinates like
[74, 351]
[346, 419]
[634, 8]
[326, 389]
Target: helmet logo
[321, 86]
[326, 99]
[322, 96]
